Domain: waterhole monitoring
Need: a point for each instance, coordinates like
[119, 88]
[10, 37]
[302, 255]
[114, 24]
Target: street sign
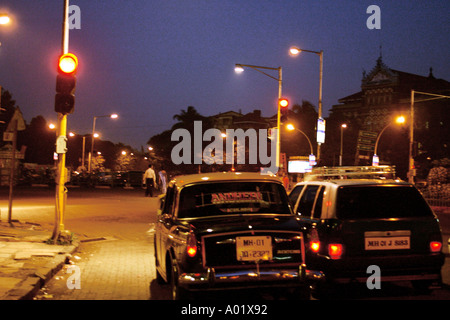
[365, 147]
[368, 134]
[20, 121]
[366, 140]
[8, 155]
[320, 130]
[312, 160]
[375, 160]
[8, 136]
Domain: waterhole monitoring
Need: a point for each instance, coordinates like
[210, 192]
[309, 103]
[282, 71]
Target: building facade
[386, 93]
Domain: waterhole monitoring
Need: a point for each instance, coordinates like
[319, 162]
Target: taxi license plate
[387, 243]
[254, 248]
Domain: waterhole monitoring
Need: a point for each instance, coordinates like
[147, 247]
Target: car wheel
[178, 293]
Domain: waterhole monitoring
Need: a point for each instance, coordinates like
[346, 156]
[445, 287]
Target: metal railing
[437, 195]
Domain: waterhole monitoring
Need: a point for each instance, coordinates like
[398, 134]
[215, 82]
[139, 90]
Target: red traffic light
[68, 63]
[283, 103]
[65, 83]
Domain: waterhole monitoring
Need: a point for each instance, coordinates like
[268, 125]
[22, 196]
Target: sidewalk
[26, 261]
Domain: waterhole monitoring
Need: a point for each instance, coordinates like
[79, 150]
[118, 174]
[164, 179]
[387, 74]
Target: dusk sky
[148, 60]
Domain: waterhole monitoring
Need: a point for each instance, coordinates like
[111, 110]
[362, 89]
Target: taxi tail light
[314, 243]
[435, 246]
[191, 247]
[315, 246]
[335, 250]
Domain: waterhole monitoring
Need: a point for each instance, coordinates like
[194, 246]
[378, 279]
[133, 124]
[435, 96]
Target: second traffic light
[66, 83]
[283, 104]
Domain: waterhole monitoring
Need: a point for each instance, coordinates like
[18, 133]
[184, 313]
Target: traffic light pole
[60, 200]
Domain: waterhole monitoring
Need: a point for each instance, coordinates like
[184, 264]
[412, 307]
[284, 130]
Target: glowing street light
[376, 159]
[4, 19]
[238, 68]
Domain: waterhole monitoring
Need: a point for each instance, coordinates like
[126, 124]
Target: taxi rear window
[378, 202]
[212, 199]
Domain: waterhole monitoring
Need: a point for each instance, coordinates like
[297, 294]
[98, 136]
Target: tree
[304, 118]
[40, 142]
[124, 161]
[162, 144]
[9, 105]
[186, 117]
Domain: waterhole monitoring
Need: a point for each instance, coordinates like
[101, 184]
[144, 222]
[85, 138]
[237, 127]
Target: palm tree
[188, 116]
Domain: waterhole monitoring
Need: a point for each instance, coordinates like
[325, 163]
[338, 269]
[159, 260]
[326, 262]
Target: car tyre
[178, 293]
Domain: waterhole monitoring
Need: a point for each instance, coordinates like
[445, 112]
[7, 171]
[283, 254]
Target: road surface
[115, 260]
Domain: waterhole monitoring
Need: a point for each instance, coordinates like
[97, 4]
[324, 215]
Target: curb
[28, 288]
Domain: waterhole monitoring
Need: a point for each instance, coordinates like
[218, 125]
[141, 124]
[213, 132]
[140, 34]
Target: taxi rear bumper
[248, 278]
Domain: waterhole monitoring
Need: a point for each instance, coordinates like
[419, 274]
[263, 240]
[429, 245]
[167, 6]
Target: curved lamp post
[239, 68]
[398, 120]
[112, 116]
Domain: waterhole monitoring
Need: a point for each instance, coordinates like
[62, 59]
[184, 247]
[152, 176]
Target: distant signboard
[299, 166]
[8, 155]
[366, 140]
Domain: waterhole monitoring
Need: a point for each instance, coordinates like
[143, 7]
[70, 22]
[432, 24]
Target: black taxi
[233, 230]
[360, 221]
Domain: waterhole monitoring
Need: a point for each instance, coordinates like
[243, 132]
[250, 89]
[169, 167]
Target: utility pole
[60, 201]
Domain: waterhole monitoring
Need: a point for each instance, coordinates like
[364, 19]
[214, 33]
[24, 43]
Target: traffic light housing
[66, 83]
[283, 105]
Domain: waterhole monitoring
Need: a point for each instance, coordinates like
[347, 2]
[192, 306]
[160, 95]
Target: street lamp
[398, 120]
[295, 51]
[112, 116]
[239, 68]
[343, 126]
[83, 148]
[291, 127]
[4, 19]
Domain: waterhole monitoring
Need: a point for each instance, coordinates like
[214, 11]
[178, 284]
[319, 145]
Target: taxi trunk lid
[266, 240]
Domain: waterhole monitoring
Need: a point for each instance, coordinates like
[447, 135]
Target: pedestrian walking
[149, 179]
[163, 180]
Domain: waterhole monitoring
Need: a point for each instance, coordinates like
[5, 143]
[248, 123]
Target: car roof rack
[351, 172]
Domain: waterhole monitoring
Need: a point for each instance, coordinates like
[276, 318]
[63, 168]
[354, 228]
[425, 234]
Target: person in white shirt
[149, 179]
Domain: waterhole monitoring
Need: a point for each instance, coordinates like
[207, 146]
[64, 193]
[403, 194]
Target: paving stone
[8, 283]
